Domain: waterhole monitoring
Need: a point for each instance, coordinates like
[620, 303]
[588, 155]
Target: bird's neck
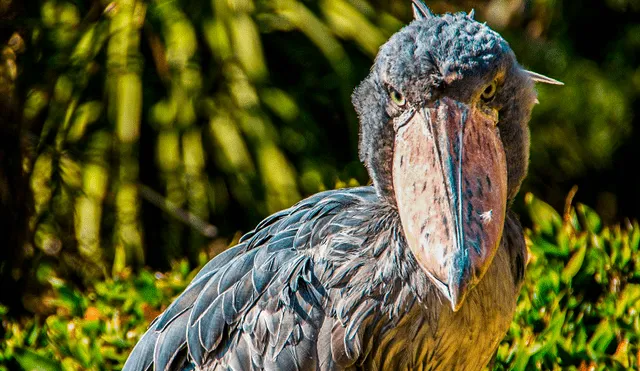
[379, 163]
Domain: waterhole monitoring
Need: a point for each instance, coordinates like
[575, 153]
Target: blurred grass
[578, 309]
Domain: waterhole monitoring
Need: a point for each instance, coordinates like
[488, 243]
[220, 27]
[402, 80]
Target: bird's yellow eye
[397, 98]
[490, 91]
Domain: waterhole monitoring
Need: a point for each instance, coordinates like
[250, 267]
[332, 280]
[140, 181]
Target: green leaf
[32, 361]
[545, 218]
[574, 264]
[634, 240]
[592, 221]
[521, 359]
[601, 338]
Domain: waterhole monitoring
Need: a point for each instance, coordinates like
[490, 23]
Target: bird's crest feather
[420, 10]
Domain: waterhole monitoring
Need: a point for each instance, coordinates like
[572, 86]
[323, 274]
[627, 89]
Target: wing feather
[170, 343]
[259, 304]
[141, 357]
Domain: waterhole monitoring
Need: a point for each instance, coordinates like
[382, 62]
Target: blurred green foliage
[174, 102]
[578, 309]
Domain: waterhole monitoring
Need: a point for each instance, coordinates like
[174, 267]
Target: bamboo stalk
[125, 107]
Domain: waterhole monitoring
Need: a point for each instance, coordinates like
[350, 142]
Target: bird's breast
[431, 336]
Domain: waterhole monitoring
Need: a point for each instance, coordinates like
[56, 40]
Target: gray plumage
[332, 283]
[328, 284]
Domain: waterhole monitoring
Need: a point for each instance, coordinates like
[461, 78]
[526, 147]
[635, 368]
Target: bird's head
[444, 134]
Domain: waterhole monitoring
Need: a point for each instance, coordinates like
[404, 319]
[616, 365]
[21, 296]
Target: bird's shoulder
[252, 286]
[313, 218]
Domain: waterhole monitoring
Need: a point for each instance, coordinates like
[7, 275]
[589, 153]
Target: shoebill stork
[420, 270]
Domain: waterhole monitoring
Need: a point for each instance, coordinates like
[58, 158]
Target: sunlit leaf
[543, 215]
[574, 264]
[33, 361]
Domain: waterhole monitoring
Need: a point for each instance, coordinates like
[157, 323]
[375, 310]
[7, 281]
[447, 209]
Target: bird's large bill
[450, 181]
